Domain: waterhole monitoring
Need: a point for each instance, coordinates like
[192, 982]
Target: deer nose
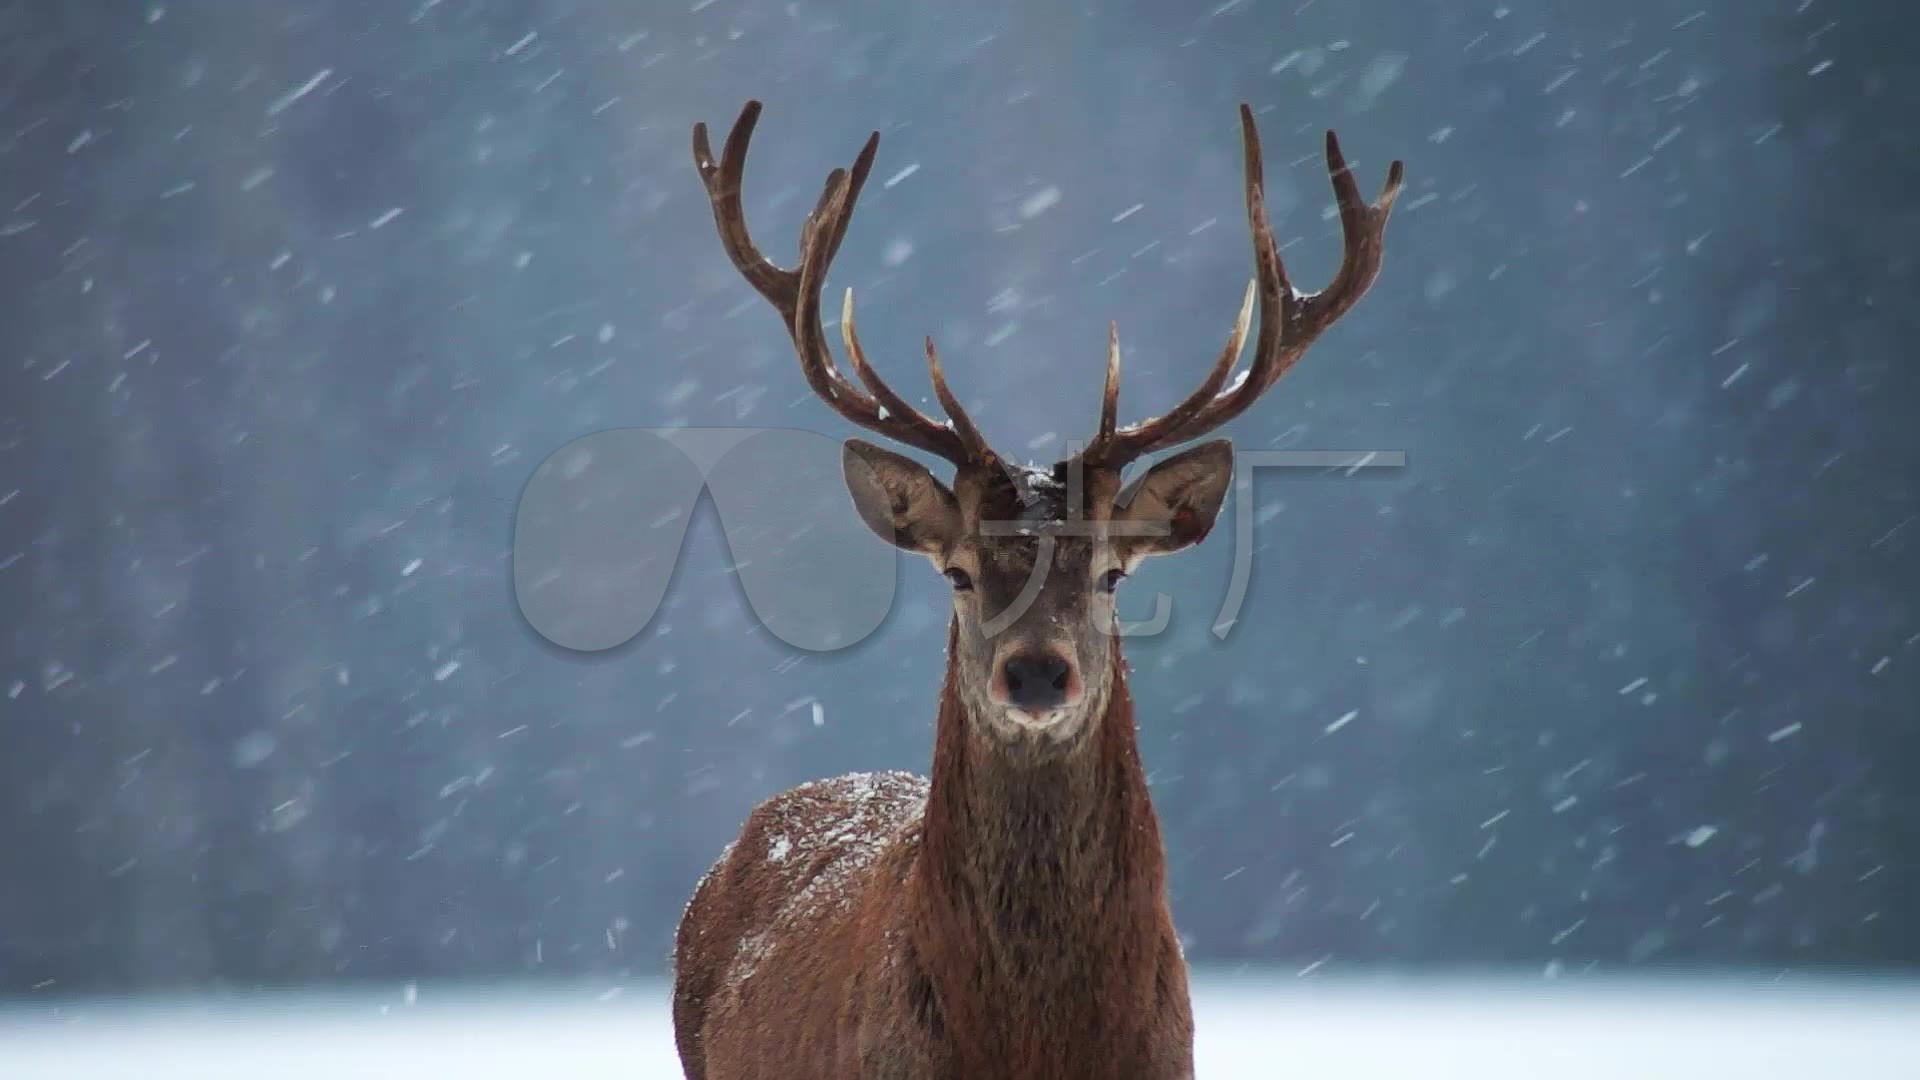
[1037, 682]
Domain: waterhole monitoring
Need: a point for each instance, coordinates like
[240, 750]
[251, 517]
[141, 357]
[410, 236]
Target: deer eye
[1110, 580]
[961, 582]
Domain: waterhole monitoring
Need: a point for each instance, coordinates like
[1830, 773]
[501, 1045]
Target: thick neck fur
[1038, 905]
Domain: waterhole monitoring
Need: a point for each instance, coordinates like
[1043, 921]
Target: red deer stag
[1008, 917]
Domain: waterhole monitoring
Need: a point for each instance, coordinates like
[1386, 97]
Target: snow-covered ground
[1325, 1026]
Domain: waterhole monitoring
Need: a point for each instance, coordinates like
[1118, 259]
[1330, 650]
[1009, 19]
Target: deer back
[783, 926]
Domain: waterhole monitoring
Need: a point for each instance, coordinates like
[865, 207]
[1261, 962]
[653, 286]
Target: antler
[1289, 321]
[795, 293]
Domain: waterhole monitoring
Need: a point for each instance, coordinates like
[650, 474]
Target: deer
[1008, 915]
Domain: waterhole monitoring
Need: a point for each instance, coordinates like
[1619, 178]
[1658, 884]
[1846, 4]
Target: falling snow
[1615, 674]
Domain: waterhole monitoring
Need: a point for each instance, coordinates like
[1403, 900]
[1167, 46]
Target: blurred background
[1620, 673]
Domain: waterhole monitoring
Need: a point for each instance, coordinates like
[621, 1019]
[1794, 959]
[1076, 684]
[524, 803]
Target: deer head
[1035, 554]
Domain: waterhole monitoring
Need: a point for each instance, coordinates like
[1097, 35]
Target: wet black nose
[1037, 681]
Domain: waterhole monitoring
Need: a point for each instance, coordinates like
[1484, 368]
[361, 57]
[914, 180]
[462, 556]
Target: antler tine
[1363, 225]
[1117, 448]
[1110, 394]
[891, 415]
[1289, 321]
[795, 293]
[857, 359]
[963, 425]
[722, 182]
[857, 179]
[969, 435]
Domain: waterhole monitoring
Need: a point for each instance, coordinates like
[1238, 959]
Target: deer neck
[1039, 898]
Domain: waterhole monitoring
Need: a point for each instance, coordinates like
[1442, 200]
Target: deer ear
[901, 501]
[1177, 499]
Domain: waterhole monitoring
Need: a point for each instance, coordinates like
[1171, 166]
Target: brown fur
[1006, 919]
[1009, 917]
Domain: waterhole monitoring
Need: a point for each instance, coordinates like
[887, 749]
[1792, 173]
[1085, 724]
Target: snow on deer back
[752, 940]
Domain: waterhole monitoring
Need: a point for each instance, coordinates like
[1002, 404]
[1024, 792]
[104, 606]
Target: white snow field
[1324, 1028]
